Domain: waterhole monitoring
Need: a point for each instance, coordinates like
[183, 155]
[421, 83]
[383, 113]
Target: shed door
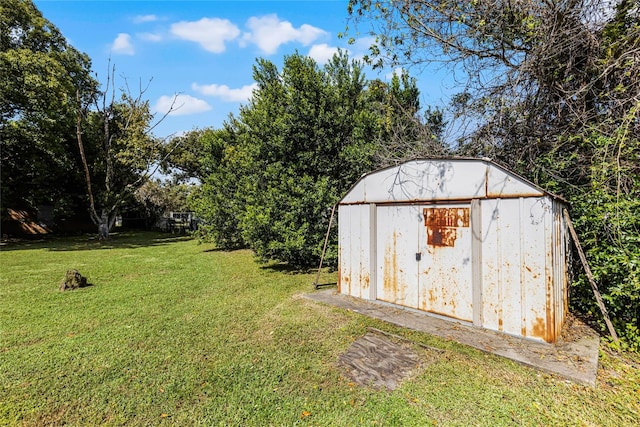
[398, 240]
[424, 258]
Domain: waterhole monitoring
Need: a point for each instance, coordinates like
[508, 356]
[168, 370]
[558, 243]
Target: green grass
[176, 333]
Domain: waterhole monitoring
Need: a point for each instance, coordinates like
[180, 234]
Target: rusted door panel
[424, 258]
[397, 243]
[445, 276]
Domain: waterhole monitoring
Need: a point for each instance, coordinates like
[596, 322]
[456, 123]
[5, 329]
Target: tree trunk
[106, 223]
[103, 226]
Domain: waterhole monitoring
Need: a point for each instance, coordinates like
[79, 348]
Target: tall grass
[173, 332]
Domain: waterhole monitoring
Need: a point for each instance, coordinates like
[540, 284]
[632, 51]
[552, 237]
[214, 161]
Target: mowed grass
[173, 332]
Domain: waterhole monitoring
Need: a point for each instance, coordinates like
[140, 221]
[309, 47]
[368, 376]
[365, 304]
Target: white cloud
[122, 45]
[150, 37]
[144, 18]
[225, 92]
[322, 53]
[210, 33]
[364, 43]
[269, 32]
[184, 105]
[360, 47]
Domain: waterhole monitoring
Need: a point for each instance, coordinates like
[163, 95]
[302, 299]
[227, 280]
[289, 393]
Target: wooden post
[324, 248]
[587, 270]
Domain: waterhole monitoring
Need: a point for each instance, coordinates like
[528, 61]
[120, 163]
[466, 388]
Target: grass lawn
[173, 332]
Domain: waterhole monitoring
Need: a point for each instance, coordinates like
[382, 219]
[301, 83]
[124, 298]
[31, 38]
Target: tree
[125, 153]
[405, 133]
[64, 142]
[40, 75]
[221, 199]
[184, 161]
[305, 137]
[552, 91]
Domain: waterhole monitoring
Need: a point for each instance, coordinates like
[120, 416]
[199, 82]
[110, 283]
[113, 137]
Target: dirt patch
[380, 361]
[574, 329]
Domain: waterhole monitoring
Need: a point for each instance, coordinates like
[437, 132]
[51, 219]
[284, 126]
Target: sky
[204, 51]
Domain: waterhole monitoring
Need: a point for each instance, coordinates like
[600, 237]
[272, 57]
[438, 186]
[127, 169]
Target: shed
[463, 238]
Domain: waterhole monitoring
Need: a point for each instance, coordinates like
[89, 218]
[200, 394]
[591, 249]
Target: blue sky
[204, 51]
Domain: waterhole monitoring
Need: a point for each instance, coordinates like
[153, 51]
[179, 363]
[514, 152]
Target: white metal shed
[461, 238]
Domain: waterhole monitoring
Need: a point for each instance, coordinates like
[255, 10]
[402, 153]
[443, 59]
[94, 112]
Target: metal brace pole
[324, 248]
[592, 281]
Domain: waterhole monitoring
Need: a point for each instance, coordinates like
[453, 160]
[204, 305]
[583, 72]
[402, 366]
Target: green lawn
[173, 332]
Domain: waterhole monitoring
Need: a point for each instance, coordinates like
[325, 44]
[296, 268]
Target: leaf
[305, 414]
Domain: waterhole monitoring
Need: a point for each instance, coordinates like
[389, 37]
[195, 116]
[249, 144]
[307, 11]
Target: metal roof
[441, 179]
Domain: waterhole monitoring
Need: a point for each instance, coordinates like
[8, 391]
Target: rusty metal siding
[517, 293]
[463, 239]
[476, 260]
[512, 253]
[560, 265]
[354, 250]
[446, 274]
[424, 258]
[397, 242]
[491, 264]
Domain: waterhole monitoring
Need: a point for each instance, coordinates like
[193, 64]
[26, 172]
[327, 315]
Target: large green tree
[183, 156]
[306, 136]
[40, 74]
[551, 90]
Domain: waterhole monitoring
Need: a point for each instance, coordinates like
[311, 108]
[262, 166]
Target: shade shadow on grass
[284, 268]
[124, 240]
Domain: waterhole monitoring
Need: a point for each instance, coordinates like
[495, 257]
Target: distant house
[178, 222]
[23, 222]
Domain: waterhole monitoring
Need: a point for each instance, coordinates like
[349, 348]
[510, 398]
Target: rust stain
[551, 330]
[539, 328]
[454, 305]
[390, 279]
[346, 281]
[365, 282]
[446, 217]
[442, 223]
[499, 195]
[445, 236]
[486, 181]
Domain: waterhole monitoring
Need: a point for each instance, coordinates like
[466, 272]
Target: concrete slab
[574, 357]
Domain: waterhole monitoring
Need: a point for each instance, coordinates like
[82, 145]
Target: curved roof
[441, 179]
